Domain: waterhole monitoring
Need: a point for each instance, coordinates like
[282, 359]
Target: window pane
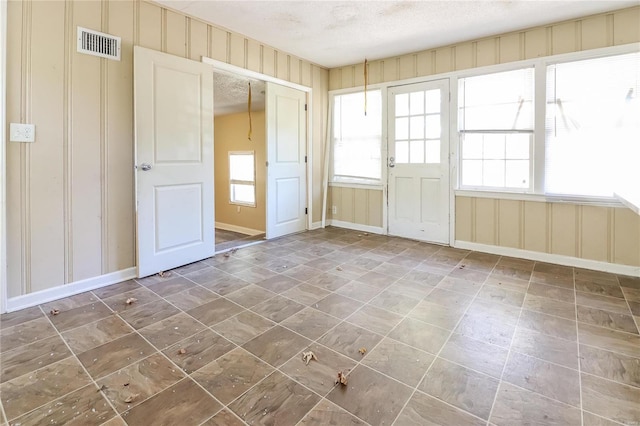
[402, 128]
[417, 127]
[432, 101]
[433, 126]
[472, 172]
[417, 152]
[417, 103]
[493, 173]
[517, 173]
[402, 152]
[493, 147]
[433, 151]
[243, 193]
[402, 104]
[241, 167]
[471, 146]
[517, 146]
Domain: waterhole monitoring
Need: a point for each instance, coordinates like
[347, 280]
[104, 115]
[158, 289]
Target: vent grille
[98, 44]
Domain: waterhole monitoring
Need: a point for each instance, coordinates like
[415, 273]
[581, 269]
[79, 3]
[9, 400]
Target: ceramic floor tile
[254, 275]
[426, 410]
[250, 296]
[512, 271]
[191, 298]
[243, 327]
[198, 350]
[275, 400]
[437, 315]
[393, 270]
[301, 272]
[629, 282]
[29, 391]
[590, 419]
[322, 264]
[377, 279]
[112, 356]
[277, 345]
[631, 294]
[320, 374]
[517, 406]
[278, 308]
[328, 413]
[279, 283]
[491, 311]
[394, 302]
[172, 286]
[599, 289]
[548, 348]
[375, 319]
[371, 396]
[328, 281]
[475, 354]
[558, 280]
[183, 403]
[550, 380]
[337, 305]
[501, 295]
[165, 333]
[281, 264]
[420, 335]
[607, 319]
[508, 283]
[399, 361]
[449, 299]
[19, 317]
[610, 304]
[610, 400]
[494, 331]
[311, 323]
[547, 324]
[142, 295]
[115, 289]
[349, 339]
[550, 306]
[205, 275]
[462, 273]
[133, 384]
[28, 358]
[596, 276]
[214, 312]
[70, 410]
[610, 365]
[552, 292]
[226, 285]
[413, 289]
[232, 374]
[604, 338]
[71, 302]
[79, 316]
[224, 418]
[25, 333]
[195, 266]
[424, 277]
[359, 291]
[97, 333]
[144, 315]
[306, 294]
[463, 388]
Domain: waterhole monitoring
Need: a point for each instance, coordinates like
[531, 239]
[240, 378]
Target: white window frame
[242, 182]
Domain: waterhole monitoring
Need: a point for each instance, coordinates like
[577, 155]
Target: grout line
[575, 305]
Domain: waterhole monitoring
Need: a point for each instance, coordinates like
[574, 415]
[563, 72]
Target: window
[357, 137]
[417, 127]
[592, 124]
[496, 124]
[242, 181]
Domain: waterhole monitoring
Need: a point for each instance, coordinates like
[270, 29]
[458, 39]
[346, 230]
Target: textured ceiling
[230, 94]
[337, 33]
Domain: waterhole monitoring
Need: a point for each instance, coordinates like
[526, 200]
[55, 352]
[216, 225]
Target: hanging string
[366, 78]
[249, 111]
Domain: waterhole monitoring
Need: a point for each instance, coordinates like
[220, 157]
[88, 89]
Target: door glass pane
[417, 127]
[417, 152]
[402, 128]
[417, 103]
[402, 152]
[433, 126]
[433, 151]
[402, 104]
[432, 101]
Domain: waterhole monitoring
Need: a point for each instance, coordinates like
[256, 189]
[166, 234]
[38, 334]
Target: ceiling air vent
[98, 44]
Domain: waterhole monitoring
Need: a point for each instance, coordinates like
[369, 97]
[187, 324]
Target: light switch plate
[19, 132]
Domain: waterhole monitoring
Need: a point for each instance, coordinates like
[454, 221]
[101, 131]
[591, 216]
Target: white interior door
[286, 167]
[418, 163]
[174, 158]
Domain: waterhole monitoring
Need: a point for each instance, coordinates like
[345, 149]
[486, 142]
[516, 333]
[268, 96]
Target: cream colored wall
[605, 234]
[597, 233]
[230, 134]
[355, 205]
[70, 194]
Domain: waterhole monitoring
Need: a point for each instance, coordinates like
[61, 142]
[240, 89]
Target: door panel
[418, 173]
[174, 157]
[286, 169]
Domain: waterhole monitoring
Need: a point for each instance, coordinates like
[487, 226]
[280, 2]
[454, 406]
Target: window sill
[541, 198]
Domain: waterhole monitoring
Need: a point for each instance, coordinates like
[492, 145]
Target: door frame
[243, 72]
[4, 287]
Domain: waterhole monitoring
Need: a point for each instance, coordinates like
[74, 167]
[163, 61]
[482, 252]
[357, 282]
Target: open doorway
[239, 160]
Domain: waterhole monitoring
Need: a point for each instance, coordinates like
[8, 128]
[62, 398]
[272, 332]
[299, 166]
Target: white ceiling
[231, 94]
[337, 33]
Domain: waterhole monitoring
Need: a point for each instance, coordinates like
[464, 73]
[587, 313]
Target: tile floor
[452, 338]
[226, 240]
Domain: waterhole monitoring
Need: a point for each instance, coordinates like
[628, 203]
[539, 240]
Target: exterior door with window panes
[418, 161]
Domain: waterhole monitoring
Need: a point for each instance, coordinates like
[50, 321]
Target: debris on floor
[131, 398]
[102, 388]
[131, 300]
[308, 356]
[164, 274]
[342, 378]
[338, 268]
[182, 351]
[55, 311]
[362, 351]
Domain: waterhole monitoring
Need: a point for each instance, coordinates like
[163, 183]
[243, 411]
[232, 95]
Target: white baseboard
[66, 290]
[614, 268]
[355, 226]
[315, 225]
[240, 229]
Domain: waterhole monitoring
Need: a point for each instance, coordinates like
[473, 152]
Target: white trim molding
[316, 225]
[614, 268]
[236, 228]
[3, 158]
[356, 226]
[71, 289]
